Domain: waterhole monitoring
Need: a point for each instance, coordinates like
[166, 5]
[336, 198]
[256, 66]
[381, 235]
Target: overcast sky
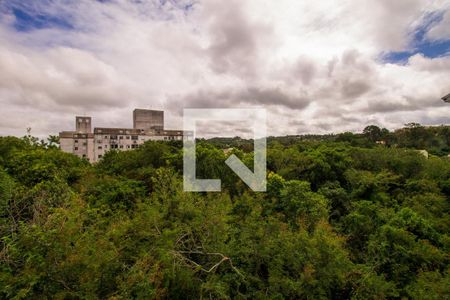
[317, 66]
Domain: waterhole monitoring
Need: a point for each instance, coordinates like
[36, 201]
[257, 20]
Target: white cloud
[314, 65]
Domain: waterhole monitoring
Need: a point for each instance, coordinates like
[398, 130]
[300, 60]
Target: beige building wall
[93, 146]
[66, 144]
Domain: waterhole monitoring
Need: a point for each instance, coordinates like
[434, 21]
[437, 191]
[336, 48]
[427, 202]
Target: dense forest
[346, 216]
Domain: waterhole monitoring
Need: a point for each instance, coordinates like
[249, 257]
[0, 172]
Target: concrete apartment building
[147, 125]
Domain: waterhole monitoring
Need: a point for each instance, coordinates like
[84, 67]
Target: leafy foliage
[344, 217]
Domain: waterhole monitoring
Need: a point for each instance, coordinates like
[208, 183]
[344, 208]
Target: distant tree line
[434, 139]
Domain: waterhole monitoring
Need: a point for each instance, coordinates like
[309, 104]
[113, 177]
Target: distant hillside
[434, 139]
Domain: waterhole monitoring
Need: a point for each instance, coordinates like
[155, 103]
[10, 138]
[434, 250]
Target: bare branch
[211, 269]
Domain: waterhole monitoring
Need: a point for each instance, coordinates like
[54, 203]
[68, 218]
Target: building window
[113, 137]
[121, 137]
[84, 144]
[99, 156]
[106, 137]
[99, 141]
[121, 146]
[128, 146]
[76, 141]
[128, 137]
[99, 147]
[76, 148]
[134, 137]
[84, 155]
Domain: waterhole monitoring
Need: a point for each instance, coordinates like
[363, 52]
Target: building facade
[147, 125]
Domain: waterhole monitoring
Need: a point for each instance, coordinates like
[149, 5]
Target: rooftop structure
[83, 124]
[148, 119]
[147, 125]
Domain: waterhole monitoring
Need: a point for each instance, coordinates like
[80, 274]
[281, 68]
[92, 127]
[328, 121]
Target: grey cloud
[402, 104]
[224, 128]
[331, 65]
[296, 123]
[324, 126]
[355, 61]
[433, 120]
[326, 112]
[199, 99]
[346, 78]
[274, 96]
[388, 106]
[60, 78]
[425, 116]
[441, 31]
[357, 75]
[235, 41]
[354, 89]
[305, 70]
[350, 119]
[299, 73]
[253, 96]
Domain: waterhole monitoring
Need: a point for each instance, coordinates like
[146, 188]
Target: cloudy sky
[316, 66]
